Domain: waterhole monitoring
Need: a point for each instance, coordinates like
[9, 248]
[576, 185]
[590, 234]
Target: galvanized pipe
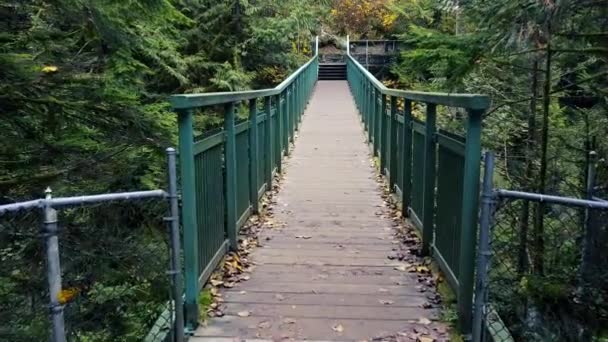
[483, 257]
[551, 199]
[176, 268]
[53, 269]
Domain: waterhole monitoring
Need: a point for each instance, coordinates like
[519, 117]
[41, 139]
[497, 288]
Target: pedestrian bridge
[318, 205]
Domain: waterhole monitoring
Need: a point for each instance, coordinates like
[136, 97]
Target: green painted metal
[436, 173]
[253, 154]
[393, 149]
[210, 217]
[450, 175]
[470, 205]
[268, 133]
[231, 176]
[190, 245]
[383, 133]
[469, 101]
[417, 180]
[261, 163]
[222, 174]
[279, 135]
[428, 197]
[406, 164]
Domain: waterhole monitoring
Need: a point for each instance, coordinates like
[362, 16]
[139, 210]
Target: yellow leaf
[49, 69]
[422, 269]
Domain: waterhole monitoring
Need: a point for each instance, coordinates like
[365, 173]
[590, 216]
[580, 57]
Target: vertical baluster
[383, 132]
[253, 154]
[189, 223]
[392, 146]
[406, 181]
[278, 132]
[470, 200]
[268, 143]
[428, 197]
[230, 160]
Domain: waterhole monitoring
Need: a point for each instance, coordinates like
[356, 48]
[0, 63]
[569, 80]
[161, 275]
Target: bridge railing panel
[223, 176]
[438, 170]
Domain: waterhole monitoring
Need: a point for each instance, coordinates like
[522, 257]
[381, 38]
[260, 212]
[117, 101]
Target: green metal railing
[433, 172]
[223, 176]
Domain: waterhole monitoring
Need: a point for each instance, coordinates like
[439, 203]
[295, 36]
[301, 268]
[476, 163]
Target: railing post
[428, 196]
[483, 257]
[384, 131]
[377, 125]
[268, 144]
[230, 160]
[392, 146]
[279, 133]
[470, 199]
[347, 45]
[176, 267]
[191, 267]
[253, 154]
[53, 269]
[285, 113]
[406, 142]
[370, 118]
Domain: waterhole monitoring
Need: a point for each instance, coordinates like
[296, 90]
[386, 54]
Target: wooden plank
[324, 261]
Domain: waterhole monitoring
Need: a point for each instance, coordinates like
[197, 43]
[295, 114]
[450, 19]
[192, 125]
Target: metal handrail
[184, 101]
[468, 101]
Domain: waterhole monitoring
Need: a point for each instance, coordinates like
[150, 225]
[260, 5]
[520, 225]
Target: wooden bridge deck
[325, 275]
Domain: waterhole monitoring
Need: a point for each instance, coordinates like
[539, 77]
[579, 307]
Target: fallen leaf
[422, 269]
[264, 325]
[425, 339]
[338, 328]
[424, 320]
[242, 292]
[279, 297]
[386, 302]
[215, 282]
[305, 237]
[244, 314]
[402, 268]
[289, 321]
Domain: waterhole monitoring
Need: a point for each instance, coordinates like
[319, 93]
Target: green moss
[205, 299]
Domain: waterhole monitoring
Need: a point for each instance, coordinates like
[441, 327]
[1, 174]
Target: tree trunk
[539, 230]
[524, 217]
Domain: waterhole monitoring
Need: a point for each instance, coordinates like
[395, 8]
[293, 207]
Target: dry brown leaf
[244, 314]
[338, 328]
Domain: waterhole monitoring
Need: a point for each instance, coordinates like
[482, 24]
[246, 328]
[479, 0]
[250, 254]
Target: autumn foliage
[364, 18]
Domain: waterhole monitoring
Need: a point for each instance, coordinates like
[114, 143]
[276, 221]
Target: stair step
[332, 72]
